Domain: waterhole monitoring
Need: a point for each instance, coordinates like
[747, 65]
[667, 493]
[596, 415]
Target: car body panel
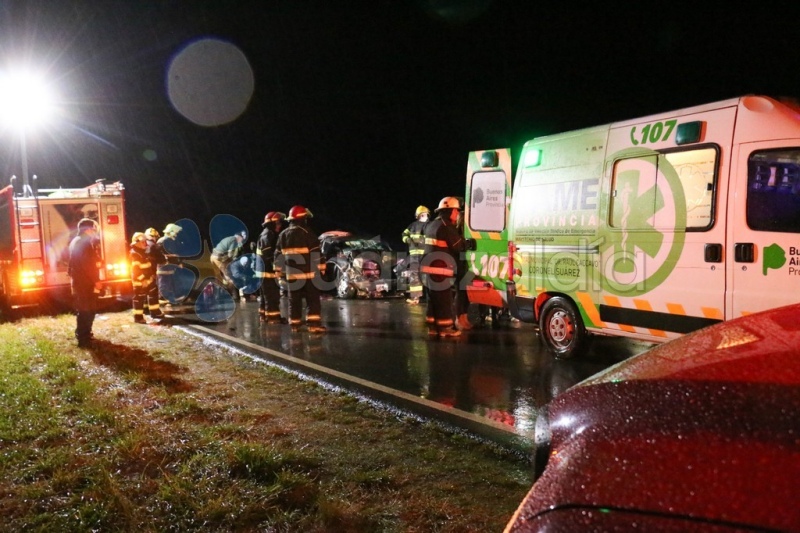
[704, 428]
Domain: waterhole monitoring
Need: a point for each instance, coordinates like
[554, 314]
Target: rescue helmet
[137, 237]
[273, 216]
[172, 229]
[421, 210]
[299, 211]
[86, 223]
[151, 233]
[448, 202]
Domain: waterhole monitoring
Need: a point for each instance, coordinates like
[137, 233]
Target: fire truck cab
[36, 227]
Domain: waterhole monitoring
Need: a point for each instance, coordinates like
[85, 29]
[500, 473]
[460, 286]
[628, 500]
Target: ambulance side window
[773, 190]
[696, 170]
[487, 201]
[641, 184]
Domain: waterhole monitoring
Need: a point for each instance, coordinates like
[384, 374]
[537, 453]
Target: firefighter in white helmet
[414, 237]
[297, 253]
[443, 248]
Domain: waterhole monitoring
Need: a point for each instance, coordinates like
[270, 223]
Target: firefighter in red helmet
[298, 256]
[443, 248]
[269, 308]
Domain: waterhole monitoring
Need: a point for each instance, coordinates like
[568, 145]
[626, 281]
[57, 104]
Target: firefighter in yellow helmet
[444, 246]
[414, 237]
[143, 276]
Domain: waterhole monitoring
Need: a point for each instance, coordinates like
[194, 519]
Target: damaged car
[357, 267]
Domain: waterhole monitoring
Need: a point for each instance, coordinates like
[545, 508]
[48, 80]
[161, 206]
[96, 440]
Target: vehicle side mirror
[471, 245]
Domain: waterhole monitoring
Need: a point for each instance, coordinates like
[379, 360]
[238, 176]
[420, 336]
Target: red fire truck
[36, 227]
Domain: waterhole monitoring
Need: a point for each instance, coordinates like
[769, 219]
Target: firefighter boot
[463, 322]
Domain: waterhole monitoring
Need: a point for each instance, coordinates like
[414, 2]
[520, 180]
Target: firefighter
[298, 256]
[164, 276]
[155, 252]
[143, 276]
[443, 248]
[223, 255]
[84, 270]
[269, 309]
[414, 237]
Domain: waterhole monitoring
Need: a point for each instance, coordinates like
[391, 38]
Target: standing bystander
[84, 271]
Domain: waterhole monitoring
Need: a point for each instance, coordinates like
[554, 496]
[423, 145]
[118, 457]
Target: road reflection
[502, 373]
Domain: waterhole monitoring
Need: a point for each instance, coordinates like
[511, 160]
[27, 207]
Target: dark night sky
[362, 112]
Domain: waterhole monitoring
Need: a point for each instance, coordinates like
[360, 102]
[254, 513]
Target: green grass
[153, 430]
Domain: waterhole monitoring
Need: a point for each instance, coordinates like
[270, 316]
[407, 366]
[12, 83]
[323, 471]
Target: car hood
[706, 427]
[759, 348]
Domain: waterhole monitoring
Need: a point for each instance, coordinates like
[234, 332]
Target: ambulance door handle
[713, 253]
[744, 252]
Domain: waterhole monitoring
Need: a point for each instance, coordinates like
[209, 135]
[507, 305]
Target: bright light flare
[26, 101]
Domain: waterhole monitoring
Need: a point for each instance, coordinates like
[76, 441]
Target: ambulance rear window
[773, 190]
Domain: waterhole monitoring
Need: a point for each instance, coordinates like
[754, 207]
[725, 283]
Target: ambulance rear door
[486, 219]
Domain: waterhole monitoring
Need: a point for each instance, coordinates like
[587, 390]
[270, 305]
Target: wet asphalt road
[491, 378]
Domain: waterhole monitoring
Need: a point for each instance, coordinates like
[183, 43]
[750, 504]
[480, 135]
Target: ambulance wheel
[561, 328]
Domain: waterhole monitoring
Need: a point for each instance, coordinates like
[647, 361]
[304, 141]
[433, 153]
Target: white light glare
[25, 100]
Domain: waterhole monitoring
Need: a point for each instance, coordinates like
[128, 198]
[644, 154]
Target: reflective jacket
[143, 271]
[443, 248]
[414, 237]
[265, 249]
[297, 253]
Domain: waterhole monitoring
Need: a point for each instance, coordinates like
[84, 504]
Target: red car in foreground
[698, 434]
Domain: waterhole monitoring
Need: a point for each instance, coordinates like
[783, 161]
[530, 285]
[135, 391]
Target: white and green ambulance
[648, 228]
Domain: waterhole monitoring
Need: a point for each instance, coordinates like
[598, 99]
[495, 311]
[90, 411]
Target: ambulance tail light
[112, 219]
[511, 270]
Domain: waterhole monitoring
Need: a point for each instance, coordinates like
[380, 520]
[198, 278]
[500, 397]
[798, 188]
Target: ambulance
[36, 227]
[648, 228]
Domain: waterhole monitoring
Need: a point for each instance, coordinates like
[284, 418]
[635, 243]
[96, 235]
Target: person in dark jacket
[269, 310]
[443, 249]
[298, 256]
[84, 270]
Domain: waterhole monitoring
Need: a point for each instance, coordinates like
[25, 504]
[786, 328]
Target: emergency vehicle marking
[635, 262]
[491, 265]
[651, 133]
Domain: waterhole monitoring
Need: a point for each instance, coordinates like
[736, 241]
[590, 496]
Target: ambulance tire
[561, 328]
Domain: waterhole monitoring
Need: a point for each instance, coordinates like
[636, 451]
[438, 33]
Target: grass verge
[153, 429]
